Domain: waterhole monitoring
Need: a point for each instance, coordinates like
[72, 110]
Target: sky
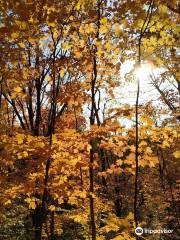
[129, 91]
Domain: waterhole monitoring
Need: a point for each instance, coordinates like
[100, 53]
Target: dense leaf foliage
[78, 160]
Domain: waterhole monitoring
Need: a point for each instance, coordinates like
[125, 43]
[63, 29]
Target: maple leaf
[176, 154]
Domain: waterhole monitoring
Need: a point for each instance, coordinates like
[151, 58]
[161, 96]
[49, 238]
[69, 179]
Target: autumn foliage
[78, 159]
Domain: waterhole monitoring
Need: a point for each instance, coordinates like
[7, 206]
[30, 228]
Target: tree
[68, 156]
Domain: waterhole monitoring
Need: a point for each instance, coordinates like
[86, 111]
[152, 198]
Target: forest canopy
[89, 119]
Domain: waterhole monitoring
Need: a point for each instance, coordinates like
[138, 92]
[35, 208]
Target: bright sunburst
[143, 72]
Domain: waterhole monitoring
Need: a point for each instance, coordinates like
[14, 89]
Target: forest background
[80, 156]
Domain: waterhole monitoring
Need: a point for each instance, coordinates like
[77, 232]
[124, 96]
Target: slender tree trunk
[142, 32]
[52, 226]
[43, 210]
[103, 166]
[136, 162]
[91, 189]
[92, 122]
[38, 105]
[91, 160]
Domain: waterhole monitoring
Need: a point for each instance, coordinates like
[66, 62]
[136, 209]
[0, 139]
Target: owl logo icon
[139, 231]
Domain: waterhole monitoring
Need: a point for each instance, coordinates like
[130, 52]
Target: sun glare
[143, 72]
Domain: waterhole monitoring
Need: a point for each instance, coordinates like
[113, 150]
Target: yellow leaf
[40, 145]
[21, 45]
[82, 194]
[25, 154]
[148, 150]
[21, 25]
[103, 29]
[71, 18]
[88, 147]
[163, 9]
[51, 24]
[31, 40]
[159, 25]
[117, 29]
[48, 78]
[119, 162]
[78, 54]
[152, 29]
[28, 200]
[103, 20]
[140, 23]
[81, 43]
[52, 208]
[62, 73]
[7, 202]
[153, 40]
[75, 151]
[163, 33]
[118, 238]
[32, 205]
[176, 154]
[15, 35]
[153, 161]
[78, 5]
[20, 138]
[146, 120]
[161, 42]
[101, 238]
[25, 74]
[108, 46]
[17, 89]
[150, 50]
[66, 46]
[54, 139]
